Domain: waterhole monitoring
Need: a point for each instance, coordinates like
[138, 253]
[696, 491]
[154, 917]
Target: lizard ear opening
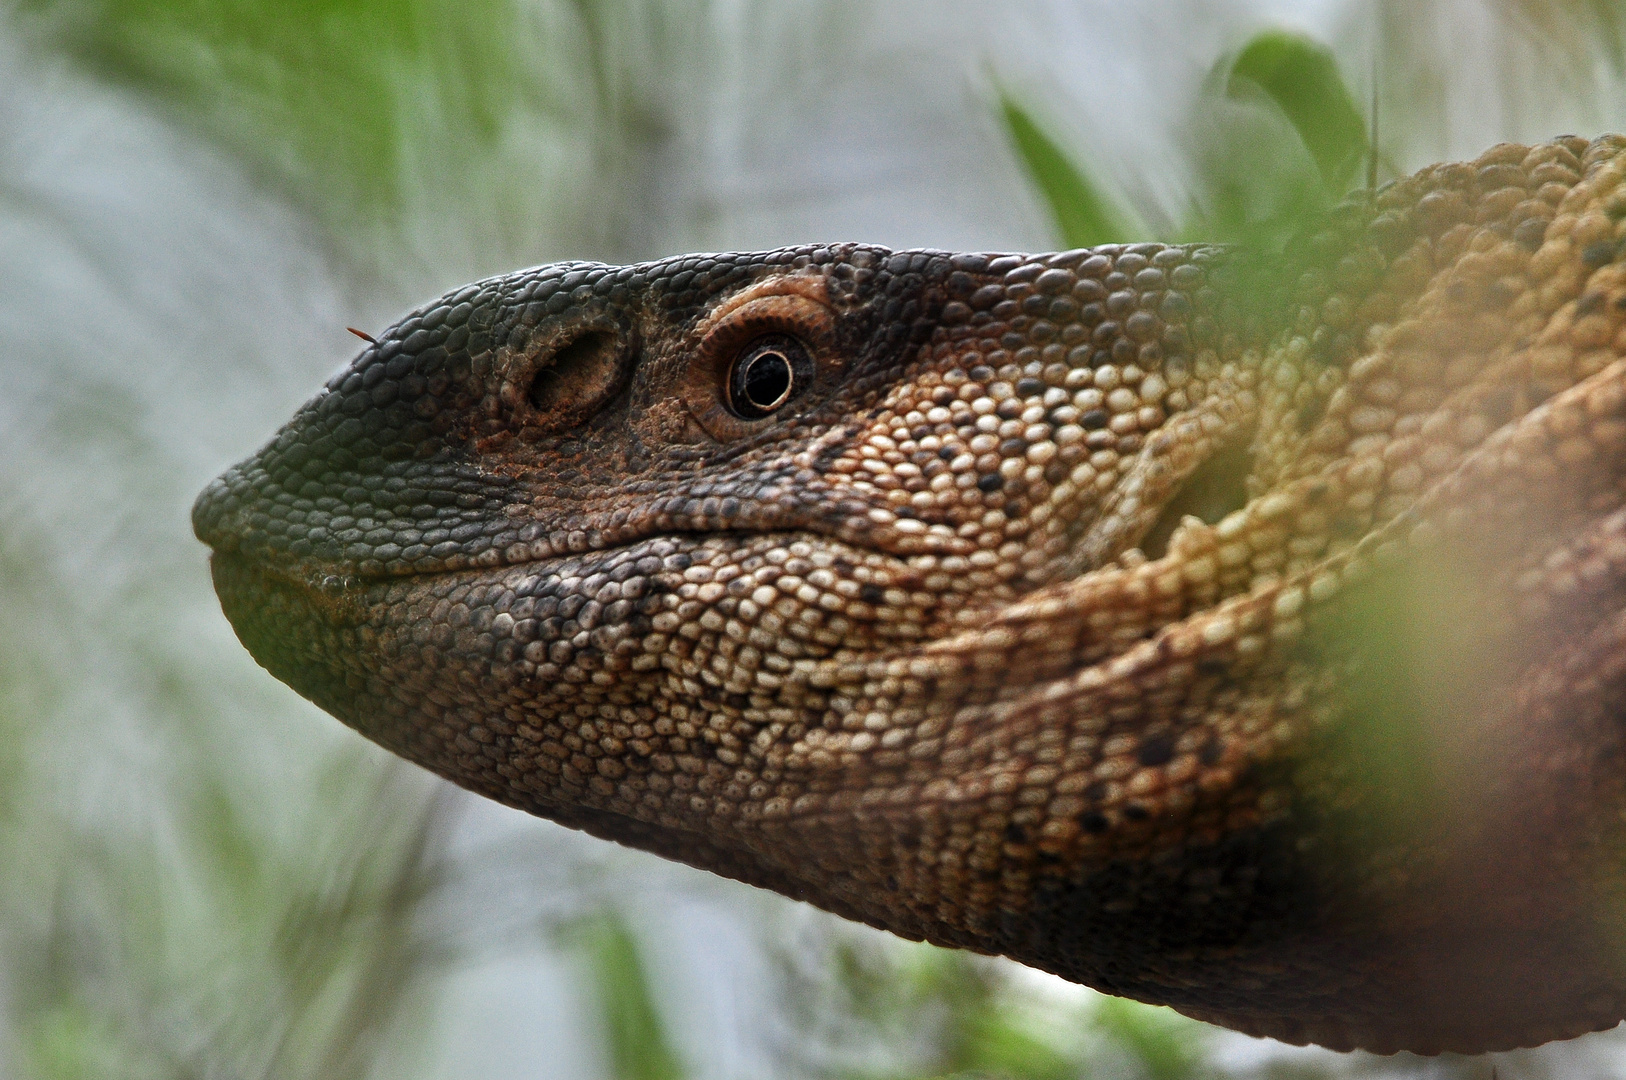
[1215, 489]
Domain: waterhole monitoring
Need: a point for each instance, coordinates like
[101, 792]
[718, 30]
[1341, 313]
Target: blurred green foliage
[1083, 214]
[326, 96]
[979, 1033]
[869, 1009]
[1300, 77]
[1166, 1045]
[630, 1022]
[231, 954]
[1276, 138]
[213, 947]
[979, 1022]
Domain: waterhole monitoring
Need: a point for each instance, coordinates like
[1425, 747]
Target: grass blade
[1301, 77]
[633, 1035]
[1083, 214]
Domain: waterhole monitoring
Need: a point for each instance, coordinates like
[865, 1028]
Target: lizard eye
[767, 374]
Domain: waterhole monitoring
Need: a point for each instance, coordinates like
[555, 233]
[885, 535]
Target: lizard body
[1236, 633]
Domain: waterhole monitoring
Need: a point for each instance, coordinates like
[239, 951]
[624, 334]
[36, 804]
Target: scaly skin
[1241, 634]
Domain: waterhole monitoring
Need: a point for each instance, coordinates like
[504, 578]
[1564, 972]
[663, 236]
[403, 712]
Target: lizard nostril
[579, 375]
[209, 511]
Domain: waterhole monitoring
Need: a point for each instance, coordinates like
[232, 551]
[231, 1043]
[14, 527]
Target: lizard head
[913, 403]
[1176, 620]
[915, 434]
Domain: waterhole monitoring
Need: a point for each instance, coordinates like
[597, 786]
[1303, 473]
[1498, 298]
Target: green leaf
[1301, 77]
[1083, 214]
[1167, 1046]
[993, 1043]
[626, 1000]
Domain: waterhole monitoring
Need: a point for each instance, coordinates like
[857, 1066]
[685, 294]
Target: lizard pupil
[767, 375]
[768, 380]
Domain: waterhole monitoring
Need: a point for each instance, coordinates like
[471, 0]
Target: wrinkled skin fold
[1235, 633]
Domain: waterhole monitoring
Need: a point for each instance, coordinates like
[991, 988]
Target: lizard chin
[372, 649]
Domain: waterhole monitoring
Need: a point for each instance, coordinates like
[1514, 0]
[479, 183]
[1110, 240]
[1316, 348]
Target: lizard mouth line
[337, 580]
[579, 540]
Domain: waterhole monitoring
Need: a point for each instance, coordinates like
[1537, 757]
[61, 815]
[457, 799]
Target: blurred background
[201, 875]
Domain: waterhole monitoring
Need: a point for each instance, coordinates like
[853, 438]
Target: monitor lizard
[1238, 632]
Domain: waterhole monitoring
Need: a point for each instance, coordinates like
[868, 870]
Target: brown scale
[1243, 638]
